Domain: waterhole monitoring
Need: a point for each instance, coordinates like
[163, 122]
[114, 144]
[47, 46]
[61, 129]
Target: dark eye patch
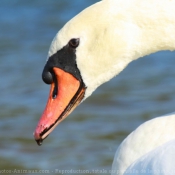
[64, 59]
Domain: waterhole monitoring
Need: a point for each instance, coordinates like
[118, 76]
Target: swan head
[82, 56]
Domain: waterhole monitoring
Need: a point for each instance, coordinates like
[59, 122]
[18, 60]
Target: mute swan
[95, 46]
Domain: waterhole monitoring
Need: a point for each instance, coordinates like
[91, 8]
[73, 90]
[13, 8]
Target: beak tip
[39, 142]
[38, 139]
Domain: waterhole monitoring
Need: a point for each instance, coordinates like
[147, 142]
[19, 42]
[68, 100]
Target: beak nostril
[55, 90]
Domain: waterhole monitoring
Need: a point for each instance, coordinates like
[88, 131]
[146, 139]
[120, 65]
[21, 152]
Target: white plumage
[159, 161]
[146, 147]
[113, 33]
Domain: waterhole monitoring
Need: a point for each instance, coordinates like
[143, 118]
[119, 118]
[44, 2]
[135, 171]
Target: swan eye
[74, 42]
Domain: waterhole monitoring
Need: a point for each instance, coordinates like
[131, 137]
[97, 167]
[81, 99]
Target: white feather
[145, 138]
[159, 161]
[113, 33]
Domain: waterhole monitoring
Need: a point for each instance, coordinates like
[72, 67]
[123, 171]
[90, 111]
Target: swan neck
[155, 28]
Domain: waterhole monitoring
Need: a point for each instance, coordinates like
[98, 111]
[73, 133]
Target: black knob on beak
[47, 75]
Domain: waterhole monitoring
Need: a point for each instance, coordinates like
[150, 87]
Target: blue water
[89, 137]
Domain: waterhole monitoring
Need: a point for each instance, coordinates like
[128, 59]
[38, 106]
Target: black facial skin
[64, 59]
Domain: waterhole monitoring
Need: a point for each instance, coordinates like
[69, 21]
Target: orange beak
[66, 93]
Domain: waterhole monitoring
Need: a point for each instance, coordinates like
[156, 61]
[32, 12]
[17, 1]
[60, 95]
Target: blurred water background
[89, 137]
